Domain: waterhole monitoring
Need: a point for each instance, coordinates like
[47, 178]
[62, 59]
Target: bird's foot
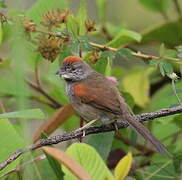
[86, 126]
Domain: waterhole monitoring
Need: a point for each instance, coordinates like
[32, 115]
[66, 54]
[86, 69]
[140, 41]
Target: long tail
[142, 130]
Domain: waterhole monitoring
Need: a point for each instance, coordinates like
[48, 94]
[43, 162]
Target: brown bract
[29, 25]
[54, 17]
[90, 25]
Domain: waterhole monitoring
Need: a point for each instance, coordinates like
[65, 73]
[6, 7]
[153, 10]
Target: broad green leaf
[165, 68]
[161, 68]
[98, 141]
[82, 16]
[123, 167]
[42, 6]
[156, 5]
[101, 5]
[137, 84]
[90, 160]
[164, 33]
[27, 114]
[167, 99]
[177, 120]
[125, 52]
[101, 65]
[124, 36]
[73, 26]
[10, 141]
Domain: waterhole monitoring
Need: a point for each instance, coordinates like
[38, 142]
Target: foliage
[34, 43]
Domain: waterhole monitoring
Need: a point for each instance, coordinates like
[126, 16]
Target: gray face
[75, 72]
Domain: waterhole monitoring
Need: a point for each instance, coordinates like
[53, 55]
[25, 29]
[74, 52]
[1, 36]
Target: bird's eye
[68, 68]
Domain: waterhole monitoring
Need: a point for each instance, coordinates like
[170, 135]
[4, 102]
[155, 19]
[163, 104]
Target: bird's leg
[87, 126]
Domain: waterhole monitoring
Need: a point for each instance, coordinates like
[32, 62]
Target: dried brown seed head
[50, 48]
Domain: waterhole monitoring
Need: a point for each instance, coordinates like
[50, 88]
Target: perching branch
[92, 130]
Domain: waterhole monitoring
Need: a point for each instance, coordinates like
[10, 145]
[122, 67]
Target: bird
[97, 98]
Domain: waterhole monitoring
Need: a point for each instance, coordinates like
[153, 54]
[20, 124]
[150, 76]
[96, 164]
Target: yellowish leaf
[123, 167]
[137, 84]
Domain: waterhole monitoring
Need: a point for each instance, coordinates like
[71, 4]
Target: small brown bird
[94, 97]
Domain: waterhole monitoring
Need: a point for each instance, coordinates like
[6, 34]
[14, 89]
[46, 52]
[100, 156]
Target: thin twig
[19, 168]
[136, 54]
[101, 47]
[36, 99]
[44, 93]
[37, 76]
[92, 130]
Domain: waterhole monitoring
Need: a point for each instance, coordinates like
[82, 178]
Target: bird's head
[74, 69]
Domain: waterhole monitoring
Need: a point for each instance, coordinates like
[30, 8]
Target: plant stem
[44, 93]
[178, 9]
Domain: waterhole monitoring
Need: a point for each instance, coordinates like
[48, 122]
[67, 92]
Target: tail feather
[143, 131]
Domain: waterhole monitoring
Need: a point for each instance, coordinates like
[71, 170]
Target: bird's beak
[60, 72]
[63, 74]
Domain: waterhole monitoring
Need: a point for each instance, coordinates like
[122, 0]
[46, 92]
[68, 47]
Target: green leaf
[125, 52]
[123, 167]
[101, 5]
[90, 160]
[156, 5]
[42, 6]
[164, 33]
[123, 37]
[85, 43]
[161, 68]
[10, 141]
[98, 141]
[56, 167]
[101, 65]
[73, 26]
[82, 16]
[167, 99]
[177, 120]
[27, 114]
[168, 68]
[137, 84]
